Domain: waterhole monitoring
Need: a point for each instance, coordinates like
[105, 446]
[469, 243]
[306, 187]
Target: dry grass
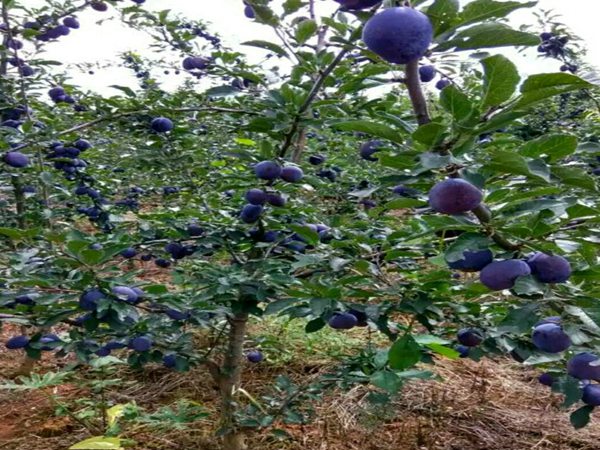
[490, 405]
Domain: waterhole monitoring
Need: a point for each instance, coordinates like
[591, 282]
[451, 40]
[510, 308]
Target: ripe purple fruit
[256, 197]
[195, 230]
[267, 170]
[254, 356]
[291, 174]
[591, 395]
[472, 261]
[17, 342]
[161, 124]
[470, 337]
[454, 196]
[361, 317]
[501, 275]
[441, 84]
[316, 160]
[125, 293]
[162, 263]
[579, 366]
[71, 22]
[276, 199]
[549, 268]
[546, 379]
[48, 339]
[169, 360]
[369, 148]
[426, 73]
[177, 315]
[16, 159]
[129, 253]
[89, 299]
[140, 344]
[249, 12]
[357, 4]
[550, 338]
[343, 321]
[195, 62]
[99, 6]
[251, 213]
[463, 351]
[399, 35]
[82, 145]
[405, 191]
[102, 351]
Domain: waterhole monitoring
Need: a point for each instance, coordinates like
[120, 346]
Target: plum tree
[454, 196]
[470, 337]
[500, 275]
[579, 366]
[549, 268]
[399, 35]
[550, 338]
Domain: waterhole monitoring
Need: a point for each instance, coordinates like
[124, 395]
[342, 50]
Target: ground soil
[487, 405]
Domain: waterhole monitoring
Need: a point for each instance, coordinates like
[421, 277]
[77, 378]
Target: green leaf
[386, 380]
[372, 128]
[541, 86]
[430, 134]
[291, 6]
[569, 387]
[314, 325]
[402, 203]
[310, 236]
[306, 29]
[479, 10]
[581, 417]
[456, 103]
[267, 46]
[500, 80]
[442, 14]
[506, 161]
[98, 443]
[574, 176]
[489, 35]
[556, 146]
[404, 353]
[444, 351]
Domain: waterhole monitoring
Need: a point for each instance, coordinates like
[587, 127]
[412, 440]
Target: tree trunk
[229, 379]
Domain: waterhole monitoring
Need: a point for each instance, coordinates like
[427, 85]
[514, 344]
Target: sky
[93, 42]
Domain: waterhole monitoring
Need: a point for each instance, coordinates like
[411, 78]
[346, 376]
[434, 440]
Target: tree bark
[229, 378]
